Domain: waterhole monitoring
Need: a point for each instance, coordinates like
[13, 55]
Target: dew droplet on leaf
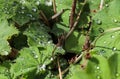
[99, 22]
[104, 42]
[114, 20]
[49, 3]
[112, 36]
[34, 9]
[117, 74]
[51, 58]
[4, 52]
[22, 7]
[30, 15]
[22, 1]
[101, 30]
[37, 3]
[114, 49]
[35, 56]
[98, 67]
[98, 77]
[102, 51]
[49, 42]
[106, 5]
[22, 12]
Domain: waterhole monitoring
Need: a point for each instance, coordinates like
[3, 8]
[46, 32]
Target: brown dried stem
[54, 6]
[59, 69]
[76, 22]
[72, 13]
[44, 18]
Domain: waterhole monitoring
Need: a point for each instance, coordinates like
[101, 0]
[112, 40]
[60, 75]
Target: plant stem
[54, 6]
[101, 4]
[76, 22]
[72, 13]
[58, 14]
[59, 69]
[44, 18]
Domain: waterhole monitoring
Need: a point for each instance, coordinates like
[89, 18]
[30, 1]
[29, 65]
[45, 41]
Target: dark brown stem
[72, 13]
[44, 18]
[76, 22]
[87, 44]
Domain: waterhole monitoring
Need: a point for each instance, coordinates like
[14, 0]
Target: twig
[44, 17]
[59, 69]
[101, 4]
[58, 14]
[78, 58]
[64, 71]
[72, 13]
[54, 6]
[87, 44]
[76, 22]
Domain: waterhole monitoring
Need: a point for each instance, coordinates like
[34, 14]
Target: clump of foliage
[59, 39]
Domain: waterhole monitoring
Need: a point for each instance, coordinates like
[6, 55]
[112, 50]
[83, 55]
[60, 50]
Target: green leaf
[75, 42]
[4, 70]
[37, 34]
[107, 18]
[6, 32]
[64, 4]
[59, 29]
[2, 76]
[108, 43]
[4, 47]
[25, 13]
[35, 61]
[29, 63]
[97, 68]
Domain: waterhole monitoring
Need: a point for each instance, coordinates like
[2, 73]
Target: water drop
[22, 12]
[117, 74]
[22, 1]
[102, 51]
[30, 15]
[35, 56]
[49, 3]
[7, 12]
[51, 58]
[34, 9]
[33, 18]
[101, 30]
[99, 22]
[37, 3]
[114, 49]
[98, 67]
[4, 52]
[115, 20]
[49, 42]
[104, 42]
[98, 77]
[22, 7]
[112, 36]
[106, 5]
[43, 67]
